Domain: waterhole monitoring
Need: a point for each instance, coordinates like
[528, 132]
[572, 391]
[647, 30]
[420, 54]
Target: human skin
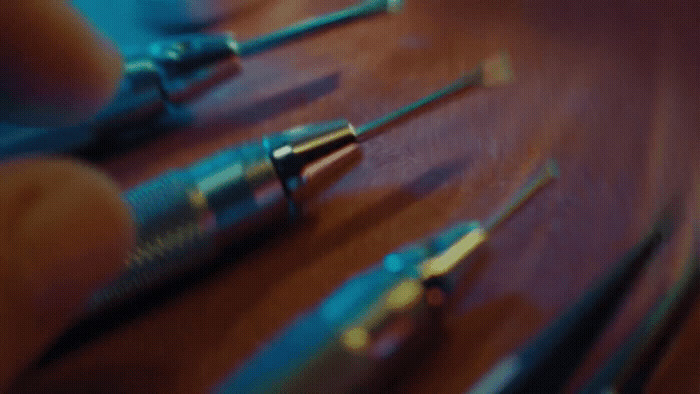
[64, 230]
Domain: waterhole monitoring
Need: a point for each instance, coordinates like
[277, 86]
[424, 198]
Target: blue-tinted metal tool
[157, 79]
[354, 339]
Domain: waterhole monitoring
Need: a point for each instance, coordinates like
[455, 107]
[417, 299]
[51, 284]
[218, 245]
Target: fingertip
[65, 232]
[65, 217]
[56, 68]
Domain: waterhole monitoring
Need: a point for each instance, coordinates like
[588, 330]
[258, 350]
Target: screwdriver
[157, 79]
[185, 216]
[357, 338]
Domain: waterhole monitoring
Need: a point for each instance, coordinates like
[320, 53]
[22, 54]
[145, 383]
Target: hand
[63, 227]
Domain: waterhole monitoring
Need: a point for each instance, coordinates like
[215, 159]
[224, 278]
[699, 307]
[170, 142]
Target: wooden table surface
[609, 89]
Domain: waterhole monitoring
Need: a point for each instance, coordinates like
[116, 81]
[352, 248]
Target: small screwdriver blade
[494, 70]
[448, 260]
[278, 37]
[547, 173]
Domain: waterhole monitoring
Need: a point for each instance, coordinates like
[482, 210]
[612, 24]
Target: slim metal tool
[545, 363]
[186, 215]
[167, 73]
[629, 368]
[353, 340]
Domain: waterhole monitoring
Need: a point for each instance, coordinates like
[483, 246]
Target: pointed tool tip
[552, 168]
[670, 216]
[496, 69]
[394, 6]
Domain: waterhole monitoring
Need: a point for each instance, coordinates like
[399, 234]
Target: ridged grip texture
[171, 234]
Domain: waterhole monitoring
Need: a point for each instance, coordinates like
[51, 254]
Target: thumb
[63, 232]
[55, 69]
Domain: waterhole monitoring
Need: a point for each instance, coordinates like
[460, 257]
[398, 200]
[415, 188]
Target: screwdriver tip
[552, 168]
[496, 69]
[548, 172]
[394, 6]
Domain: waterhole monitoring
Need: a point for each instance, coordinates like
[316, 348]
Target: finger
[55, 69]
[63, 231]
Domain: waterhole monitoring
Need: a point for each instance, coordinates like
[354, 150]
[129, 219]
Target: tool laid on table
[354, 339]
[185, 215]
[546, 362]
[167, 73]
